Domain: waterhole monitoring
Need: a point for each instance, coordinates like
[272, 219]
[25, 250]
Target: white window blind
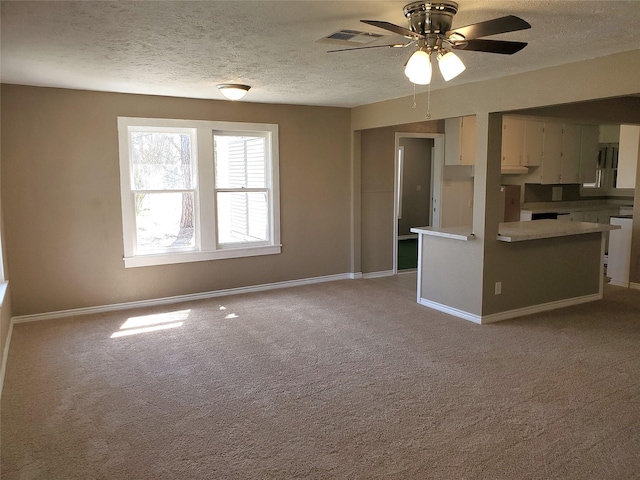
[242, 188]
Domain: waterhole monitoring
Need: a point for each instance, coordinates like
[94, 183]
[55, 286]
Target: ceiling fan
[430, 29]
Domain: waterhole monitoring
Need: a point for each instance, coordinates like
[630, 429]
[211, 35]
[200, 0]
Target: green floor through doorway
[407, 253]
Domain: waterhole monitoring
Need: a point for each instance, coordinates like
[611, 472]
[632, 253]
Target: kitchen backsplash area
[561, 198]
[534, 193]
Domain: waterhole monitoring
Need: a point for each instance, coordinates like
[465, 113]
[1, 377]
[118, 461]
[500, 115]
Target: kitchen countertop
[522, 231]
[457, 233]
[538, 229]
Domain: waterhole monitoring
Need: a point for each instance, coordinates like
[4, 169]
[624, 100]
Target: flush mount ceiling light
[233, 91]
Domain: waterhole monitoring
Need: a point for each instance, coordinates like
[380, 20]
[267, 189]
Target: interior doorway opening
[418, 169]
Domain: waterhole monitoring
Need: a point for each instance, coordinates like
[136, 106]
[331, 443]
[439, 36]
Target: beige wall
[575, 82]
[61, 198]
[615, 110]
[543, 271]
[452, 273]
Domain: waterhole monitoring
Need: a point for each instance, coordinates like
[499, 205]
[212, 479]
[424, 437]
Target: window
[242, 195]
[606, 168]
[197, 190]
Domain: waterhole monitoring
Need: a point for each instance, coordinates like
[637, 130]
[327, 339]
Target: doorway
[417, 165]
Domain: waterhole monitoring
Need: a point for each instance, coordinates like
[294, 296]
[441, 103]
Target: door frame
[437, 166]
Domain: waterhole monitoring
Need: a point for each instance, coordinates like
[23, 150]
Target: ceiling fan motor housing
[430, 17]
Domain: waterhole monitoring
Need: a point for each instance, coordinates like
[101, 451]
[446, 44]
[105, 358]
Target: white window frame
[268, 179]
[206, 246]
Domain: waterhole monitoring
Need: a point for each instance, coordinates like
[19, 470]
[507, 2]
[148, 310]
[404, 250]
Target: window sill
[186, 257]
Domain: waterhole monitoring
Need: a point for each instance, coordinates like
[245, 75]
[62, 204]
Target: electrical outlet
[498, 288]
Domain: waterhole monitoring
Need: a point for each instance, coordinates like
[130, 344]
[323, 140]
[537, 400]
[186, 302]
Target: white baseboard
[179, 298]
[408, 237]
[543, 307]
[634, 285]
[383, 273]
[405, 271]
[518, 312]
[355, 276]
[7, 341]
[5, 356]
[619, 284]
[451, 311]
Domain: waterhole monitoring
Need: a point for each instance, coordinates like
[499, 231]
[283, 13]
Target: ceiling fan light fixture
[418, 68]
[430, 29]
[450, 65]
[233, 91]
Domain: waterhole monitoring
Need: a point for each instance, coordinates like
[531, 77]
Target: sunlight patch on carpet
[152, 323]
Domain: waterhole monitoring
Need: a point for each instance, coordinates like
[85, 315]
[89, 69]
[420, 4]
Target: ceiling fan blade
[392, 28]
[394, 45]
[491, 46]
[510, 23]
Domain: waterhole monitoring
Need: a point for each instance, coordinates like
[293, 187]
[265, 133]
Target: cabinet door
[628, 156]
[570, 164]
[552, 153]
[533, 137]
[589, 151]
[452, 141]
[460, 141]
[512, 140]
[468, 140]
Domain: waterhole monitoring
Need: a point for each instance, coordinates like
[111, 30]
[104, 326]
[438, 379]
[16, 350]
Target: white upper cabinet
[460, 141]
[628, 155]
[468, 140]
[513, 131]
[589, 150]
[569, 152]
[571, 143]
[552, 154]
[522, 141]
[533, 141]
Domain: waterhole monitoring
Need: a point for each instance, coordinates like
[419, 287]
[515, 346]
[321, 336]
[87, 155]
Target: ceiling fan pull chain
[428, 101]
[414, 97]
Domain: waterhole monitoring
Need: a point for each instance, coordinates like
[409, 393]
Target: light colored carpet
[344, 380]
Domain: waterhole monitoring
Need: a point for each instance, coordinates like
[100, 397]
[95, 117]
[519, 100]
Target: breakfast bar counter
[522, 231]
[538, 229]
[528, 267]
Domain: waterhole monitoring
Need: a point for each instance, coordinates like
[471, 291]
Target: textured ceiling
[184, 48]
